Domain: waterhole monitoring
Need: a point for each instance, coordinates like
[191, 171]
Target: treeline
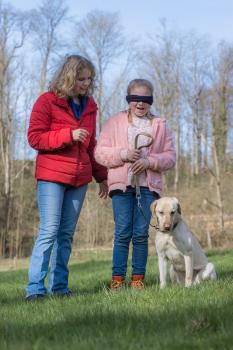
[193, 83]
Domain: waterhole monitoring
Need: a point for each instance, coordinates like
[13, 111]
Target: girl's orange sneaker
[137, 281]
[117, 282]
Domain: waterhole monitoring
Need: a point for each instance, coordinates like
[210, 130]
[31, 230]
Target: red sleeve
[99, 171]
[40, 137]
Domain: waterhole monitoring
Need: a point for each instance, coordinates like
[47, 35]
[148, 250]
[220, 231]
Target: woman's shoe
[35, 297]
[67, 294]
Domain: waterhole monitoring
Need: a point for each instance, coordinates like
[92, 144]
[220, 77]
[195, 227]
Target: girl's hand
[103, 189]
[133, 155]
[140, 165]
[80, 135]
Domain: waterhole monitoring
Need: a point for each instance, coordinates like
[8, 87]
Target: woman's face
[139, 109]
[83, 82]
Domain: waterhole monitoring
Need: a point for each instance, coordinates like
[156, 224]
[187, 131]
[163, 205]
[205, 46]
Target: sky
[142, 17]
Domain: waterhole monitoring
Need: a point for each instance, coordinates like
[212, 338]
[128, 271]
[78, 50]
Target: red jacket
[60, 158]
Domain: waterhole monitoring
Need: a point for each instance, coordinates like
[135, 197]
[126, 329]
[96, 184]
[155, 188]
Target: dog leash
[135, 179]
[142, 212]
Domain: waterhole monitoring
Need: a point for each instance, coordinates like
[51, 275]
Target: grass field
[174, 318]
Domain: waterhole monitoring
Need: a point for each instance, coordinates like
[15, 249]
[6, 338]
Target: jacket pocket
[117, 175]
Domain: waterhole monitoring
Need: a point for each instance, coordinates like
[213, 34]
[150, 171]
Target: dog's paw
[162, 285]
[188, 284]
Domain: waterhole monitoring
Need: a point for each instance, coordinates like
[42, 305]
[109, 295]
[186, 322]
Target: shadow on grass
[189, 327]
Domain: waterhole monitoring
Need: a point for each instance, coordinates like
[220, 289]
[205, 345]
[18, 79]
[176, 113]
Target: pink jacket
[113, 142]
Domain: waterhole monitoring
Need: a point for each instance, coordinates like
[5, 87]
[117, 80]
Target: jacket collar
[89, 108]
[124, 127]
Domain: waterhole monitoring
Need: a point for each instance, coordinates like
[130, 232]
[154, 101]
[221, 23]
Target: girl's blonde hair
[135, 83]
[64, 80]
[140, 82]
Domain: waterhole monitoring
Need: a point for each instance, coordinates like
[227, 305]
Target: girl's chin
[82, 92]
[140, 115]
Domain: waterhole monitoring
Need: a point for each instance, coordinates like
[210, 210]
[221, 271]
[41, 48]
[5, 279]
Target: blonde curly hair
[65, 78]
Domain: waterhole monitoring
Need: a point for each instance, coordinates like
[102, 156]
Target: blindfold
[137, 98]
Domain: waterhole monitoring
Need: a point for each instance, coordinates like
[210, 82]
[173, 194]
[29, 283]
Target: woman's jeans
[59, 208]
[131, 224]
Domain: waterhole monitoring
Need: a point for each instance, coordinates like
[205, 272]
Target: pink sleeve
[106, 153]
[166, 158]
[124, 155]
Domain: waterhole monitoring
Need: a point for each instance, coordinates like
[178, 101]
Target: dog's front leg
[162, 270]
[188, 260]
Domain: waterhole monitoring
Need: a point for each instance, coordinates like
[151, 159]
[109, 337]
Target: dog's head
[167, 211]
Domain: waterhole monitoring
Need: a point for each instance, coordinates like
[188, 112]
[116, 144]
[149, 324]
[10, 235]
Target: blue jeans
[59, 208]
[130, 224]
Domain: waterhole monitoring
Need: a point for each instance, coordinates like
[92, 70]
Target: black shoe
[67, 294]
[35, 297]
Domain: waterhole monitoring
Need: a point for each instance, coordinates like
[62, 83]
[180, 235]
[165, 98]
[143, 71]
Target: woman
[62, 129]
[136, 147]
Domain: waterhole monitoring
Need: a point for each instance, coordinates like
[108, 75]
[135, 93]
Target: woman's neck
[76, 100]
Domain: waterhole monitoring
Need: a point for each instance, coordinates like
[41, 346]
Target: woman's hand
[103, 189]
[79, 134]
[140, 165]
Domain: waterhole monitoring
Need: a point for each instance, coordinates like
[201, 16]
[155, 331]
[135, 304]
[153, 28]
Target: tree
[99, 37]
[195, 82]
[162, 62]
[12, 36]
[45, 25]
[222, 99]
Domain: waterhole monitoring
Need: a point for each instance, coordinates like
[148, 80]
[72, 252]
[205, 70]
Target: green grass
[174, 318]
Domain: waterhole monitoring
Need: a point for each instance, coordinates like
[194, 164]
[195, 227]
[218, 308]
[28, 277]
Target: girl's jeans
[131, 224]
[59, 209]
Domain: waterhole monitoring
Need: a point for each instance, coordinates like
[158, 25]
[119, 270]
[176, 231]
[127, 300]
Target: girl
[62, 129]
[118, 149]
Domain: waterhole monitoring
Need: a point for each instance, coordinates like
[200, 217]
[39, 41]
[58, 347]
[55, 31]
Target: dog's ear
[153, 207]
[179, 208]
[178, 205]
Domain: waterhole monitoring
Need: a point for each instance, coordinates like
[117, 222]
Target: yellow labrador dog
[176, 243]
